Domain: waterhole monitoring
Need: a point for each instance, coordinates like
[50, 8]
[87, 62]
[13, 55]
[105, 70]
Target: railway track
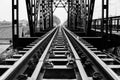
[60, 55]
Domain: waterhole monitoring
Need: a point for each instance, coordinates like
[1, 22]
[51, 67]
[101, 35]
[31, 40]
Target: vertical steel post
[44, 21]
[33, 15]
[44, 15]
[51, 13]
[15, 22]
[41, 16]
[117, 25]
[102, 22]
[90, 15]
[30, 18]
[105, 13]
[110, 26]
[68, 22]
[76, 15]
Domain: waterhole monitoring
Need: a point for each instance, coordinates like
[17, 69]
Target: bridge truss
[40, 15]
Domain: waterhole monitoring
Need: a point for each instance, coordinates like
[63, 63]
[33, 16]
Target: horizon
[6, 14]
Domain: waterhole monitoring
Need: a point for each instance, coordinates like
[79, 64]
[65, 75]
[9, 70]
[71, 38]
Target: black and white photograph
[59, 39]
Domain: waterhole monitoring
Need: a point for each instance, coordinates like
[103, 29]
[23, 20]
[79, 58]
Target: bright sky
[61, 13]
[6, 11]
[114, 8]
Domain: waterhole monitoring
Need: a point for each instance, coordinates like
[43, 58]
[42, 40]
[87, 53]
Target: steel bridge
[81, 49]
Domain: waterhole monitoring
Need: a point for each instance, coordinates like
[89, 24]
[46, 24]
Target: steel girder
[73, 13]
[30, 4]
[43, 8]
[80, 14]
[60, 4]
[46, 14]
[34, 10]
[77, 13]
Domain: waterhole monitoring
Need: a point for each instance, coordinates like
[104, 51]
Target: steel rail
[77, 60]
[41, 60]
[36, 72]
[112, 74]
[11, 71]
